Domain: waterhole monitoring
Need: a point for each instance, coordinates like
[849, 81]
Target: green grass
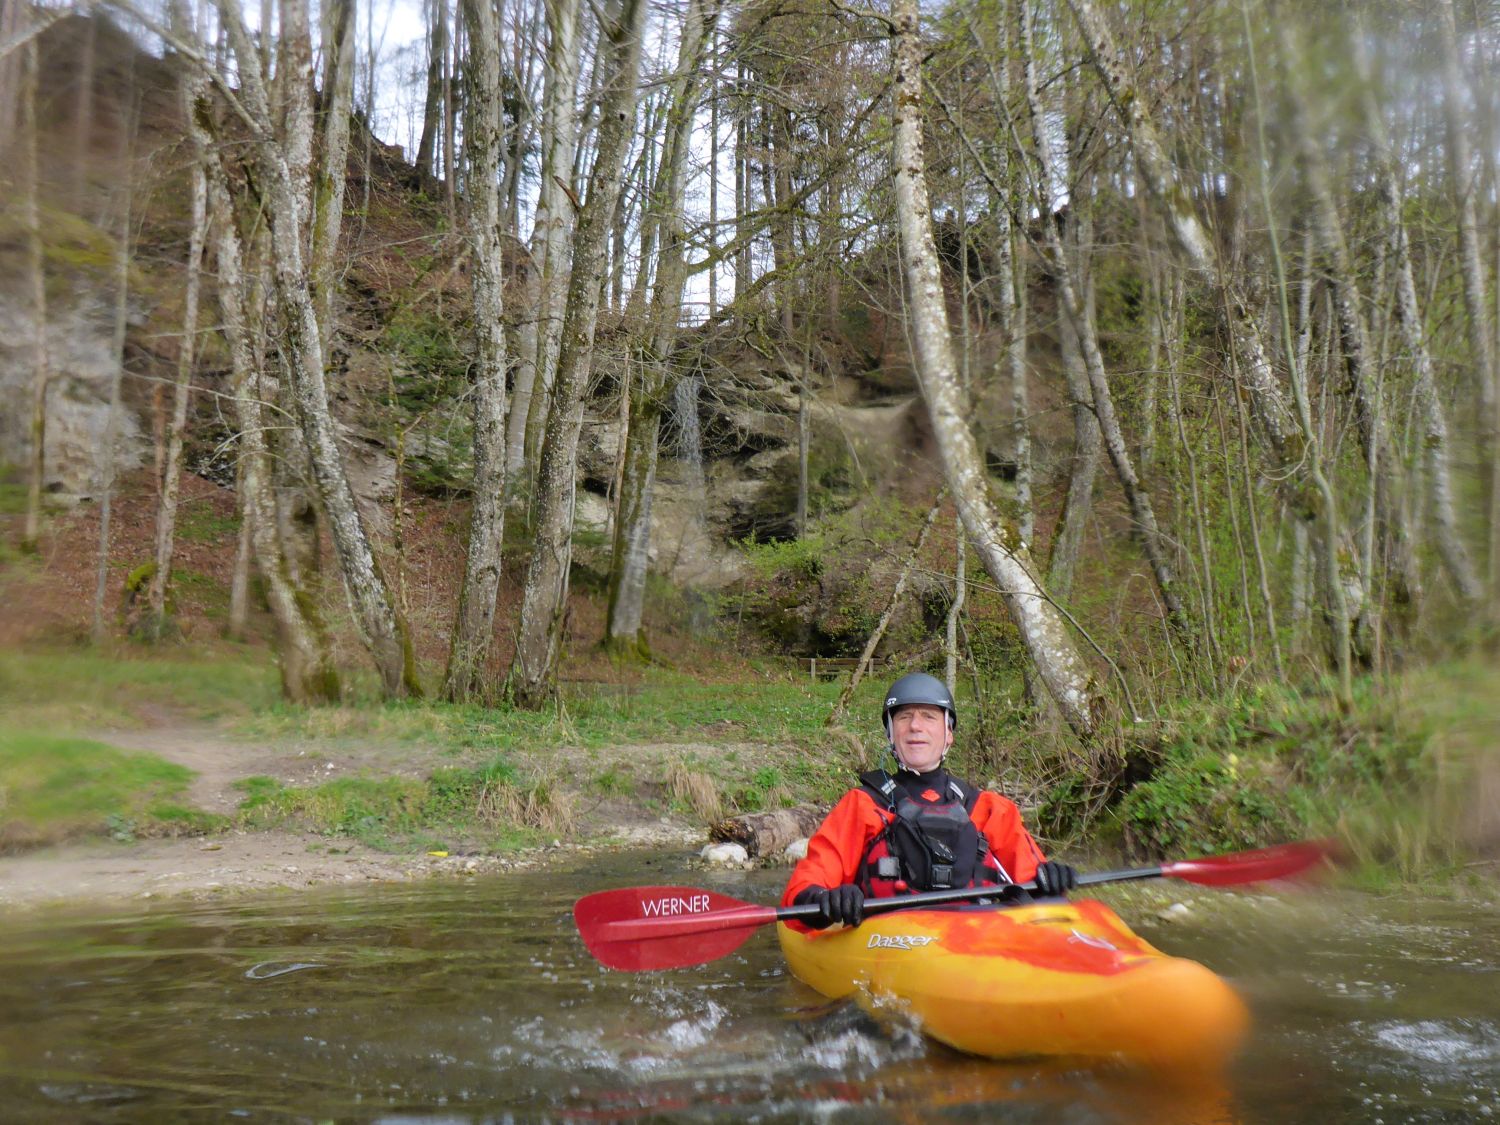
[669, 707]
[1271, 762]
[72, 690]
[788, 755]
[54, 787]
[487, 805]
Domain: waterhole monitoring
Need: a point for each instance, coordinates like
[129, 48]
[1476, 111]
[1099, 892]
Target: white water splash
[1433, 1041]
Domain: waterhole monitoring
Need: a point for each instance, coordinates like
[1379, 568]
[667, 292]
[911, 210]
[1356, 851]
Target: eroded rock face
[83, 364]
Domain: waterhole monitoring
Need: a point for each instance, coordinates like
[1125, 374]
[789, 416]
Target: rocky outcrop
[83, 366]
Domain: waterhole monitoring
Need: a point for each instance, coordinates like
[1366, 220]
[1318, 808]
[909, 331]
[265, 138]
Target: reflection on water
[476, 1002]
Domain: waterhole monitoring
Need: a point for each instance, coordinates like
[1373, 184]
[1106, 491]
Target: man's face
[921, 736]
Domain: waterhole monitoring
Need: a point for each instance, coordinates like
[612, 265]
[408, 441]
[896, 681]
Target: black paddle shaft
[926, 898]
[964, 894]
[1125, 874]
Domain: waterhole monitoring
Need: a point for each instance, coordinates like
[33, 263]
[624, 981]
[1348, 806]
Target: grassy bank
[54, 788]
[426, 774]
[1399, 779]
[1394, 777]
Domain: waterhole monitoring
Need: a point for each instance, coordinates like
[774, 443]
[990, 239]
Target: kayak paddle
[641, 928]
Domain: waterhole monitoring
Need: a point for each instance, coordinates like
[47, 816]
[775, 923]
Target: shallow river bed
[475, 1001]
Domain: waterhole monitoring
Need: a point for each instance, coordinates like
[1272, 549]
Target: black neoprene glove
[1053, 878]
[845, 904]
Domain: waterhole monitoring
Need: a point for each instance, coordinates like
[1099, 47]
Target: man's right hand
[842, 905]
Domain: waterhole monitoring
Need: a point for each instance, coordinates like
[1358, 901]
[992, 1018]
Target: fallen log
[767, 833]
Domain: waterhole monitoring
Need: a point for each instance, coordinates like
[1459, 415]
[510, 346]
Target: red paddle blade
[637, 928]
[1281, 862]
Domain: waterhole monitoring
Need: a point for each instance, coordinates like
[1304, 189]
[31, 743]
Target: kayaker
[920, 829]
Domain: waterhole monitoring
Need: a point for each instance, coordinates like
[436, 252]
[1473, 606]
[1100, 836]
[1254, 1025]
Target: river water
[475, 1001]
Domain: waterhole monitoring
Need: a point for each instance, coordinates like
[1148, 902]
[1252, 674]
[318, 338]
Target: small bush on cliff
[825, 592]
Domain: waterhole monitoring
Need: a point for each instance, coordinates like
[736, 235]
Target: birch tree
[1435, 445]
[649, 392]
[1286, 425]
[538, 339]
[1160, 178]
[192, 82]
[533, 673]
[1354, 331]
[327, 206]
[108, 451]
[474, 626]
[277, 161]
[36, 273]
[304, 658]
[1006, 558]
[1463, 182]
[1142, 510]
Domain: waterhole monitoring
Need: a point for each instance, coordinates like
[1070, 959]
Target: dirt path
[220, 762]
[241, 860]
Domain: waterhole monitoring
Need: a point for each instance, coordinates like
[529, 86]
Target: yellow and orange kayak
[1051, 979]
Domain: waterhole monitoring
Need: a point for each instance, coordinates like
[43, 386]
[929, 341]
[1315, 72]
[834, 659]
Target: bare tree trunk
[533, 674]
[804, 446]
[632, 534]
[1327, 546]
[36, 270]
[333, 159]
[450, 125]
[549, 243]
[1465, 183]
[308, 674]
[955, 607]
[1078, 502]
[108, 449]
[1141, 509]
[1014, 324]
[239, 580]
[1160, 178]
[1355, 334]
[1011, 304]
[741, 185]
[166, 511]
[1214, 657]
[1146, 452]
[632, 539]
[1287, 427]
[1435, 443]
[714, 102]
[1006, 558]
[294, 95]
[474, 627]
[381, 626]
[432, 109]
[768, 833]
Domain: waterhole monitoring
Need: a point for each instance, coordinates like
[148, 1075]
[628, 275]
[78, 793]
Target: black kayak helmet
[918, 687]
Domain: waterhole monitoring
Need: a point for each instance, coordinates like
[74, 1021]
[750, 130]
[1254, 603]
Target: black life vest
[930, 843]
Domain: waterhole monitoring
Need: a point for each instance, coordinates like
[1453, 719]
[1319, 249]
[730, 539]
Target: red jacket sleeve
[1000, 821]
[835, 849]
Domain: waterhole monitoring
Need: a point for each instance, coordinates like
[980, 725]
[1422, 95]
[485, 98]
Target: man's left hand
[1053, 878]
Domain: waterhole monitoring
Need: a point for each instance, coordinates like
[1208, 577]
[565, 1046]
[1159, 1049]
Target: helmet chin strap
[891, 746]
